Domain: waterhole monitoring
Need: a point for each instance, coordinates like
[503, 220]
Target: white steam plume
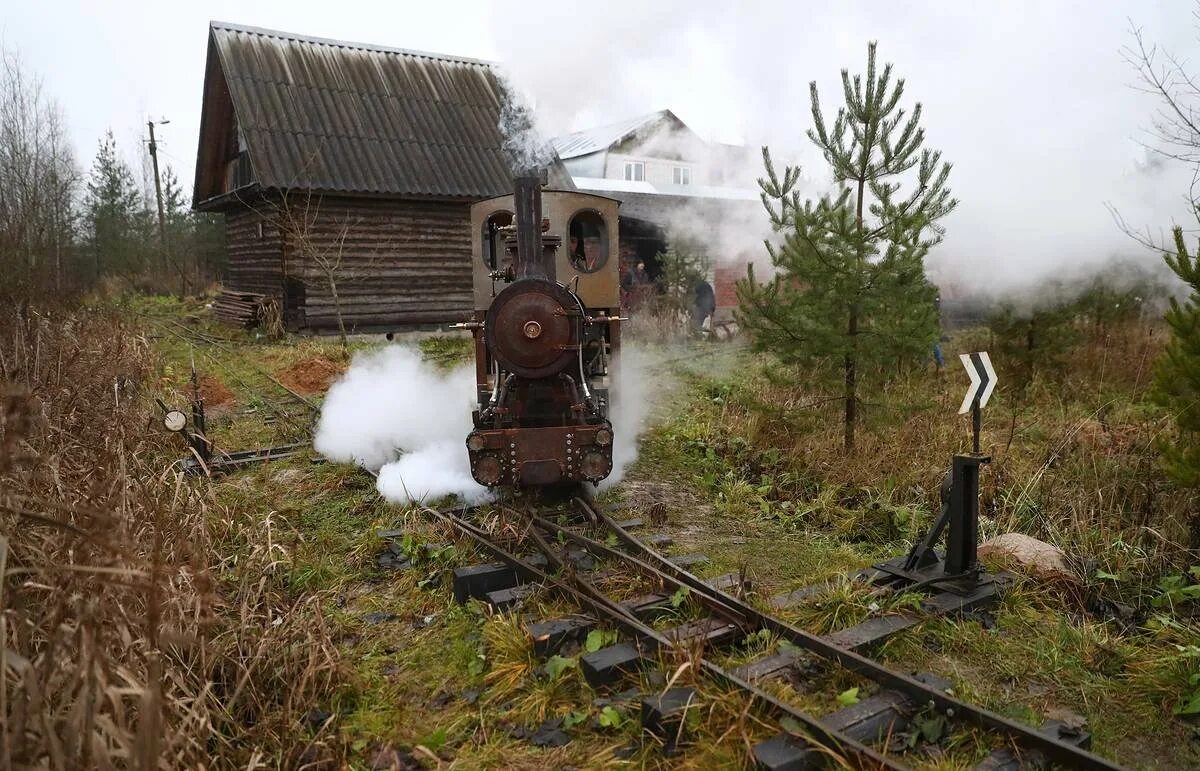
[525, 148]
[633, 394]
[393, 412]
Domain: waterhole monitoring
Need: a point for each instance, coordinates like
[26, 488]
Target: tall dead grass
[1074, 454]
[141, 625]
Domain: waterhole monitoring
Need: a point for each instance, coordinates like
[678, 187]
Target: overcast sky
[1029, 100]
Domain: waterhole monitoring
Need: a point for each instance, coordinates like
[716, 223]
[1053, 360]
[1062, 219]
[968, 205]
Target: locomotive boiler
[547, 330]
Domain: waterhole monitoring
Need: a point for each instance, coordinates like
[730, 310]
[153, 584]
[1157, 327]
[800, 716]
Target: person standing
[938, 358]
[704, 303]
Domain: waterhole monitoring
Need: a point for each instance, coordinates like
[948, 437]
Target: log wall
[255, 261]
[402, 262]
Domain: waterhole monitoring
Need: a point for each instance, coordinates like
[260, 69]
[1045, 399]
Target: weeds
[446, 350]
[121, 647]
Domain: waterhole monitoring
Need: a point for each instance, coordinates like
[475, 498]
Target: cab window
[493, 240]
[588, 247]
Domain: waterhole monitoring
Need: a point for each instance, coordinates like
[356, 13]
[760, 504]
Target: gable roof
[603, 137]
[334, 116]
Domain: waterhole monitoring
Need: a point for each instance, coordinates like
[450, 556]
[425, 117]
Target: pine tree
[683, 266]
[111, 211]
[849, 282]
[1177, 376]
[175, 202]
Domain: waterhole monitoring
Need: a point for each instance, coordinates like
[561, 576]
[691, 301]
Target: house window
[683, 175]
[635, 171]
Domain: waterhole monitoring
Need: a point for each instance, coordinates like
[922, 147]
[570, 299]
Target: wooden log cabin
[351, 160]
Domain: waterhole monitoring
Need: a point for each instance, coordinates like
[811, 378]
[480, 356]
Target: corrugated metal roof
[336, 116]
[602, 137]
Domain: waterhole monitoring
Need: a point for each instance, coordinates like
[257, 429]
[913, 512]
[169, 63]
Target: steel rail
[1025, 735]
[213, 341]
[279, 410]
[821, 736]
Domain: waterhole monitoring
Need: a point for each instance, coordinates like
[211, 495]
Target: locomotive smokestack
[533, 260]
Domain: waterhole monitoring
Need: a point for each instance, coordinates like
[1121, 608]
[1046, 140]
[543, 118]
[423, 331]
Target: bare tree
[1174, 130]
[319, 244]
[39, 180]
[1175, 125]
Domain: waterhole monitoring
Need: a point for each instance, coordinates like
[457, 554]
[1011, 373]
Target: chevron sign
[983, 379]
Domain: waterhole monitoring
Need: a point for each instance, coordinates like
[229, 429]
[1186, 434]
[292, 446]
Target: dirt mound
[214, 392]
[310, 376]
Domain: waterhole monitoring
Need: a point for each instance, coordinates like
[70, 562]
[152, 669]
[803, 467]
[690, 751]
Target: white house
[671, 182]
[656, 154]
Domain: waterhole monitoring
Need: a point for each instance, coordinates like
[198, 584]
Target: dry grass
[128, 640]
[1074, 454]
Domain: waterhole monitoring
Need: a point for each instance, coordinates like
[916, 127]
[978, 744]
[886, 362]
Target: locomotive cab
[547, 328]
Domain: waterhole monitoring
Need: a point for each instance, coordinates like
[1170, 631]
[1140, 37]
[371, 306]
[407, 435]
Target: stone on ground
[1036, 557]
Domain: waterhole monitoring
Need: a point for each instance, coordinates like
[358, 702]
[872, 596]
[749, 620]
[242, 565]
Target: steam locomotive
[547, 332]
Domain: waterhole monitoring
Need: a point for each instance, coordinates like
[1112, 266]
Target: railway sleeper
[874, 631]
[1009, 759]
[660, 541]
[612, 664]
[479, 582]
[507, 599]
[615, 662]
[871, 721]
[627, 524]
[664, 715]
[683, 561]
[705, 631]
[476, 581]
[505, 592]
[551, 634]
[769, 666]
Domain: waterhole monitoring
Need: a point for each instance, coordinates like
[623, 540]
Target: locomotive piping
[587, 392]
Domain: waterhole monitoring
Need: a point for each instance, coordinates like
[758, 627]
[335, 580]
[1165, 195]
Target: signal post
[958, 571]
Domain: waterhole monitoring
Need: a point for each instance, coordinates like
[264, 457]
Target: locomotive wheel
[533, 328]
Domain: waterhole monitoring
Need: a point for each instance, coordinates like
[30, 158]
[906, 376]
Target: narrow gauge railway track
[266, 381]
[731, 617]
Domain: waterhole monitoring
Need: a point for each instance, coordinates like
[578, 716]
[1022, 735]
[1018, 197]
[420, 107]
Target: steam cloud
[525, 148]
[631, 400]
[1031, 102]
[394, 413]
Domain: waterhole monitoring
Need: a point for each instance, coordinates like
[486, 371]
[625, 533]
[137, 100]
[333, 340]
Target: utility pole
[162, 223]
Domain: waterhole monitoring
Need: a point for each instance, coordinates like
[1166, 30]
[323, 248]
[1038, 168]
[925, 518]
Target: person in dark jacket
[704, 303]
